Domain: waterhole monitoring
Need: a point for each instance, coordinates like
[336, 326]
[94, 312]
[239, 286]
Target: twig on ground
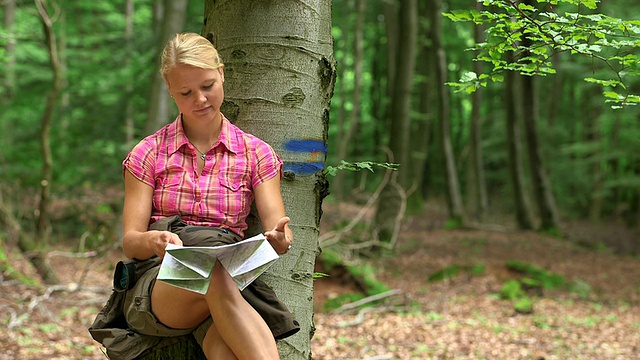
[70, 254]
[367, 300]
[71, 287]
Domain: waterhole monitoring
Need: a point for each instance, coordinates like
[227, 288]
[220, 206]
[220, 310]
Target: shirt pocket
[236, 192]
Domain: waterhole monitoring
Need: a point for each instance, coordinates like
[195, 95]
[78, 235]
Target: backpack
[110, 327]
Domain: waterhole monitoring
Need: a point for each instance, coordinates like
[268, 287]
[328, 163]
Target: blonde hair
[189, 49]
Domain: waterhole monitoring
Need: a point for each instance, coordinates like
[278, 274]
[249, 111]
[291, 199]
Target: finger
[175, 239]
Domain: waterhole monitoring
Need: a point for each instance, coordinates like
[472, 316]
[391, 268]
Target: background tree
[477, 198]
[346, 136]
[453, 194]
[171, 15]
[392, 194]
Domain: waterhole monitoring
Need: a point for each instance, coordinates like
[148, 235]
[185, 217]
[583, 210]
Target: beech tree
[279, 78]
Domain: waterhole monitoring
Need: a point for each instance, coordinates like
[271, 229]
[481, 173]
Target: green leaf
[525, 7]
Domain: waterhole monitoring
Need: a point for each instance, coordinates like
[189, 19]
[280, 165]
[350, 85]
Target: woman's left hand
[278, 237]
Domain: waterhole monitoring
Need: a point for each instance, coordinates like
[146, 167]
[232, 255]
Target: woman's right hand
[161, 239]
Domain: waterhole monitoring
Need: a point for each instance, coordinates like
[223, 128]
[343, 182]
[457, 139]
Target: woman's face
[198, 93]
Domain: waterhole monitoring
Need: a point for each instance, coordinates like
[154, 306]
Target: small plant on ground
[534, 281]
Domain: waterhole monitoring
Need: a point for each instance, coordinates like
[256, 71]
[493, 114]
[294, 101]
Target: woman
[207, 170]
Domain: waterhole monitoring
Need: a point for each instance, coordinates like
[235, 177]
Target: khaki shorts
[137, 308]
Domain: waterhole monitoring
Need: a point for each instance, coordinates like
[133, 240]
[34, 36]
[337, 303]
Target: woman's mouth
[202, 110]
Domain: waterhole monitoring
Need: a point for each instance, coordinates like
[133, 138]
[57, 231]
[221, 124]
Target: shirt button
[198, 199]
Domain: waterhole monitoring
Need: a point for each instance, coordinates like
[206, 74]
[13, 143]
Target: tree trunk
[557, 90]
[279, 78]
[523, 214]
[477, 199]
[390, 202]
[454, 197]
[379, 107]
[160, 104]
[592, 137]
[346, 140]
[540, 181]
[541, 188]
[129, 125]
[9, 63]
[421, 138]
[43, 218]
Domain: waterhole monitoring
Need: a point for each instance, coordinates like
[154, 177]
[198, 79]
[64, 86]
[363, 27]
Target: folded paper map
[190, 267]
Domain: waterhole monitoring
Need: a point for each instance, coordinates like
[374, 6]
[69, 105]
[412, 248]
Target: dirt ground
[459, 318]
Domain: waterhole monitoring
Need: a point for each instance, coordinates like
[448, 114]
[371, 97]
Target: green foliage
[358, 166]
[512, 290]
[318, 275]
[452, 224]
[367, 275]
[536, 275]
[535, 33]
[336, 302]
[6, 269]
[363, 274]
[523, 305]
[453, 270]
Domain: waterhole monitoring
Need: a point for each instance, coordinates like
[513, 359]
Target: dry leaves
[461, 318]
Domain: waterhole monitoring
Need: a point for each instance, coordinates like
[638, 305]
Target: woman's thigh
[178, 308]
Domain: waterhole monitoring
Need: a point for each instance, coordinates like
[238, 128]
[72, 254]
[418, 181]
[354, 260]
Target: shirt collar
[176, 138]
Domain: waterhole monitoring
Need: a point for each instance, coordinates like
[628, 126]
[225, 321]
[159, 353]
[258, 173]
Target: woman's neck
[203, 134]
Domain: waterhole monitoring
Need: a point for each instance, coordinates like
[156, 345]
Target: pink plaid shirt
[222, 194]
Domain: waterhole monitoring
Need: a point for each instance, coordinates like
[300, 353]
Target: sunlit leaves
[522, 38]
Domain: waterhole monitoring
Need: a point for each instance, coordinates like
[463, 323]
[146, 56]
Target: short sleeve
[268, 164]
[141, 162]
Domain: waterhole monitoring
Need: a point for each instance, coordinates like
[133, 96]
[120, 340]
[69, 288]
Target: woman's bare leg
[238, 324]
[214, 346]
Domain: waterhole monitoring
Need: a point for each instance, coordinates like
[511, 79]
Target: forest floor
[461, 317]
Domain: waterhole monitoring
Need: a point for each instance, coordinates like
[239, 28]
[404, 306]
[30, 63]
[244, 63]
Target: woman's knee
[221, 282]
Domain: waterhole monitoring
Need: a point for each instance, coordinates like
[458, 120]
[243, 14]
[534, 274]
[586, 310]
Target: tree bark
[279, 78]
[454, 197]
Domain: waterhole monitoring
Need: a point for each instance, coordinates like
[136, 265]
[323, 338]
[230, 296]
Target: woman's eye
[208, 86]
[185, 93]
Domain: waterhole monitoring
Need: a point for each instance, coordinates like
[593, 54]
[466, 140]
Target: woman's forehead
[187, 75]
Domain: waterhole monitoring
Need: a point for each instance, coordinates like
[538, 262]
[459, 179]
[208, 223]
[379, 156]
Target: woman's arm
[272, 214]
[137, 242]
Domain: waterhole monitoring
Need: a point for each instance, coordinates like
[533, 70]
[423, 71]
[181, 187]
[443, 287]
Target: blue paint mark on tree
[299, 168]
[314, 149]
[306, 145]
